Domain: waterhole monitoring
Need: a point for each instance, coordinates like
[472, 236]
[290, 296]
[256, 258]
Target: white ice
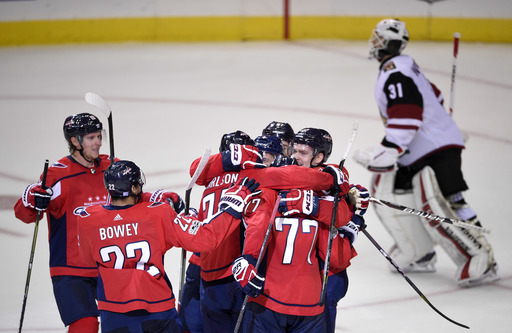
[171, 101]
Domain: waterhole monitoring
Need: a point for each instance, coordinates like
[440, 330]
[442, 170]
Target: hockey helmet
[318, 139]
[269, 144]
[389, 37]
[282, 130]
[121, 176]
[237, 137]
[78, 125]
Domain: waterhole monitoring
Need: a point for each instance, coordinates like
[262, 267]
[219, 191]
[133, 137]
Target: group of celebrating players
[263, 230]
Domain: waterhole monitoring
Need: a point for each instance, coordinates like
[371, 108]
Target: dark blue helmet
[78, 125]
[282, 130]
[237, 137]
[318, 139]
[269, 144]
[121, 176]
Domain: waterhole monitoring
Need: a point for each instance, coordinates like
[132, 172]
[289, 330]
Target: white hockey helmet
[389, 37]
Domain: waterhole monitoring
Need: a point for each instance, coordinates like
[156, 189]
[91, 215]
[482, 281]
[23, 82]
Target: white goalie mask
[389, 37]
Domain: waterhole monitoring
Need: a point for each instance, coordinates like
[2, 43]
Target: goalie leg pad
[412, 242]
[468, 249]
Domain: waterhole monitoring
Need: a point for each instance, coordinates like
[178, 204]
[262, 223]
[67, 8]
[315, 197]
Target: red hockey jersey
[128, 244]
[74, 187]
[293, 278]
[217, 264]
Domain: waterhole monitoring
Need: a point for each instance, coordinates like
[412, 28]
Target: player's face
[268, 158]
[91, 144]
[303, 154]
[287, 148]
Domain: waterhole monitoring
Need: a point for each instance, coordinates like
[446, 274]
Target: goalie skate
[426, 264]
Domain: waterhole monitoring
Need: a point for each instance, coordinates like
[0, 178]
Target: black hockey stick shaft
[428, 215]
[332, 226]
[258, 262]
[392, 262]
[32, 251]
[332, 232]
[188, 191]
[111, 138]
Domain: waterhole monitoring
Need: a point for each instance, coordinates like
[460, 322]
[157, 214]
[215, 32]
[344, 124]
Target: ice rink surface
[171, 101]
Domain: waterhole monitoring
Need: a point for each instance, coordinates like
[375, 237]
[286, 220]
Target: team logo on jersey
[389, 66]
[80, 211]
[59, 165]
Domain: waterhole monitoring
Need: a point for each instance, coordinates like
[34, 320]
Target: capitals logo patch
[81, 211]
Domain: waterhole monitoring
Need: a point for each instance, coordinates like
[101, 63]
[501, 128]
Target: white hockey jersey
[414, 118]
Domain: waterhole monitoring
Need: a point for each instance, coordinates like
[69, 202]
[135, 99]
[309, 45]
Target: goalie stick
[33, 250]
[392, 262]
[200, 167]
[427, 215]
[332, 228]
[97, 101]
[258, 262]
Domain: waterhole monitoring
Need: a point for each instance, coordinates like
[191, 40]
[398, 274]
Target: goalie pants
[446, 164]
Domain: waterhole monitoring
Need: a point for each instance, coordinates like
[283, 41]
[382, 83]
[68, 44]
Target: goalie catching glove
[237, 196]
[37, 197]
[240, 157]
[247, 276]
[385, 157]
[298, 202]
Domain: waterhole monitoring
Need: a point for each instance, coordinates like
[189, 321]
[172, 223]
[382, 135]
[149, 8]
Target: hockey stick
[258, 262]
[427, 215]
[456, 37]
[407, 279]
[200, 167]
[32, 251]
[97, 101]
[332, 228]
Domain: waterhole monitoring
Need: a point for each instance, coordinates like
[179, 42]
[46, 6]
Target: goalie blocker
[415, 236]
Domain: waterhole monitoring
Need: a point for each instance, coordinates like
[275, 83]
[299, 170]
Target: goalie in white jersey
[418, 163]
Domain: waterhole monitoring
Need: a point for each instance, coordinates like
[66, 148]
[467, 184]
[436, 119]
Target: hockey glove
[341, 184]
[37, 197]
[171, 197]
[237, 196]
[246, 276]
[385, 157]
[360, 198]
[351, 229]
[298, 202]
[240, 157]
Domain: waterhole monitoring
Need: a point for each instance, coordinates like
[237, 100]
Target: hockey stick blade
[394, 264]
[332, 229]
[98, 102]
[195, 176]
[427, 215]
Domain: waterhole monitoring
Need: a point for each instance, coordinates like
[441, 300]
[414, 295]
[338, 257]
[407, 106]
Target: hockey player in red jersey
[128, 239]
[72, 182]
[298, 239]
[221, 297]
[418, 163]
